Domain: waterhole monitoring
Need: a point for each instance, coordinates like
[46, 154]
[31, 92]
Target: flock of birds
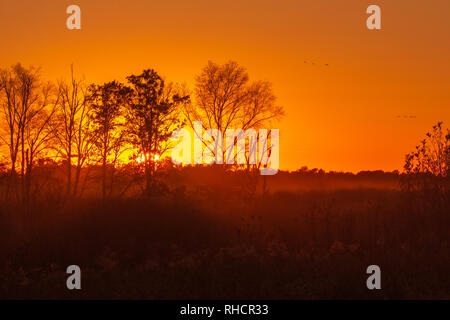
[313, 63]
[399, 116]
[406, 117]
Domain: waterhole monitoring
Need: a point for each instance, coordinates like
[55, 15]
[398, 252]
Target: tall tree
[38, 134]
[27, 105]
[12, 113]
[107, 104]
[71, 128]
[226, 99]
[152, 117]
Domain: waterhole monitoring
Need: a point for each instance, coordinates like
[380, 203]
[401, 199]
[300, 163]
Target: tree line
[79, 124]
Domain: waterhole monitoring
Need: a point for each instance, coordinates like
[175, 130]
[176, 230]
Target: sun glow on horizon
[142, 158]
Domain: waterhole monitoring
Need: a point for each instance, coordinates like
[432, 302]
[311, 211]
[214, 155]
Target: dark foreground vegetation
[212, 238]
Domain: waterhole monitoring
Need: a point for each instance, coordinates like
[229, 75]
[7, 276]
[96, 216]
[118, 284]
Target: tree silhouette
[107, 104]
[428, 167]
[226, 99]
[38, 134]
[13, 113]
[71, 128]
[152, 117]
[28, 105]
[432, 155]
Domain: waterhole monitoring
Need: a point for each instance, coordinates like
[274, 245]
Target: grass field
[204, 241]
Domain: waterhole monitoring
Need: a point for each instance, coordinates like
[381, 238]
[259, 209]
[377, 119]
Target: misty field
[209, 237]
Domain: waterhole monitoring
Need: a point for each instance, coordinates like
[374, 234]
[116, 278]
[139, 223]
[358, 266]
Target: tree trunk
[69, 171]
[148, 178]
[104, 177]
[27, 178]
[77, 179]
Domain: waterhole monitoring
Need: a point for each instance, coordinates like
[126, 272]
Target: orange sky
[340, 117]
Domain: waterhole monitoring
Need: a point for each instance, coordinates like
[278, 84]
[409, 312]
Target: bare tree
[85, 139]
[27, 106]
[226, 99]
[71, 128]
[38, 134]
[12, 113]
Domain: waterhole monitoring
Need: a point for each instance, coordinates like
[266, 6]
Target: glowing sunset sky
[339, 117]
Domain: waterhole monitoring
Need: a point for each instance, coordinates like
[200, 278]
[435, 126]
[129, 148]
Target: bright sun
[141, 158]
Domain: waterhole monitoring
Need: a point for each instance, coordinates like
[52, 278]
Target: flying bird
[313, 63]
